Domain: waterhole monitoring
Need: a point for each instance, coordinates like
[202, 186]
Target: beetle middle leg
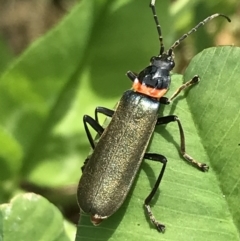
[159, 158]
[103, 110]
[172, 118]
[95, 123]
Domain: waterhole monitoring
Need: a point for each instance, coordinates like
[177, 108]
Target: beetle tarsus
[160, 227]
[201, 166]
[204, 167]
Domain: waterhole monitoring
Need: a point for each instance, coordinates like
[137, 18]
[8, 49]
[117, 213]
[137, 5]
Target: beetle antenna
[152, 6]
[195, 29]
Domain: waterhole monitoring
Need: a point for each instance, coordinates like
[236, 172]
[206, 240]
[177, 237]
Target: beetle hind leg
[159, 158]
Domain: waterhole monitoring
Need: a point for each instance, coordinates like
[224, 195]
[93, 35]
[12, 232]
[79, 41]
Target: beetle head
[155, 79]
[163, 61]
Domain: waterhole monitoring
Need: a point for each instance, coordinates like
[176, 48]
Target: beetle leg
[95, 125]
[164, 100]
[131, 75]
[172, 118]
[103, 110]
[192, 81]
[159, 158]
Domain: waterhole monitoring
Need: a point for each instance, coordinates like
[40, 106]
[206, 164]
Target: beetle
[109, 172]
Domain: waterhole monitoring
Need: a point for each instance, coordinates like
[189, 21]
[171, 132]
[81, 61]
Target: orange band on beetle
[149, 91]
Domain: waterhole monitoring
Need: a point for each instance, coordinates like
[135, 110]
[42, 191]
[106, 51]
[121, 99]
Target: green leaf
[215, 109]
[10, 155]
[31, 217]
[191, 204]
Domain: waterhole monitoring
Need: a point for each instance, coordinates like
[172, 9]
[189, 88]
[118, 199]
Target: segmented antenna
[152, 6]
[176, 43]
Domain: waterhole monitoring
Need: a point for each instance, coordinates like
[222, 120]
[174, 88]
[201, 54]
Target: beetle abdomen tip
[97, 219]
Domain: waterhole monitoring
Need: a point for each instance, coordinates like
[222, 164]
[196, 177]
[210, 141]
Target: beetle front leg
[159, 158]
[191, 82]
[172, 118]
[131, 75]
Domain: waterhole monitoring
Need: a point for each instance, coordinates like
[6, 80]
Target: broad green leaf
[191, 204]
[10, 155]
[31, 217]
[214, 105]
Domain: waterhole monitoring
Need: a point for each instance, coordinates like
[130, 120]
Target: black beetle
[110, 170]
